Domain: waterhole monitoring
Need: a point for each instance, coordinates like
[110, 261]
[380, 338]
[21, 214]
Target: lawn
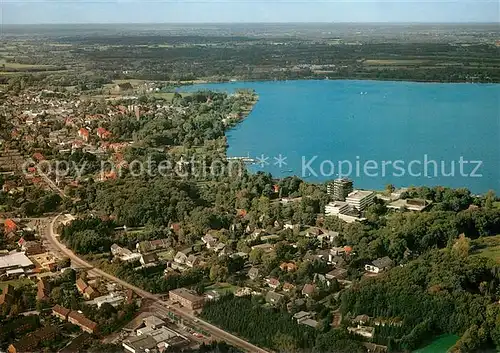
[16, 282]
[166, 255]
[222, 288]
[488, 247]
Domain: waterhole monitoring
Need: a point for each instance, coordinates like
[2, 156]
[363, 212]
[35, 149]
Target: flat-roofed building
[14, 261]
[335, 208]
[187, 298]
[139, 344]
[360, 199]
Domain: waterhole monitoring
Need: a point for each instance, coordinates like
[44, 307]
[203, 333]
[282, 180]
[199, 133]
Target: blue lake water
[387, 132]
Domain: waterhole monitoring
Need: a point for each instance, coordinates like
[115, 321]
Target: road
[218, 334]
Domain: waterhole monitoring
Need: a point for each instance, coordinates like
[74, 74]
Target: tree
[462, 246]
[255, 255]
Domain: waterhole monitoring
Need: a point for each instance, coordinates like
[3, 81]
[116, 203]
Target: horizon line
[250, 22]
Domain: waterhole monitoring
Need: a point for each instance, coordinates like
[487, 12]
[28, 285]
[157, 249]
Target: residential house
[85, 290]
[10, 226]
[103, 134]
[253, 273]
[210, 241]
[274, 298]
[328, 237]
[84, 134]
[60, 312]
[292, 226]
[192, 261]
[219, 247]
[114, 299]
[267, 248]
[309, 290]
[274, 283]
[212, 295]
[338, 251]
[43, 290]
[337, 273]
[313, 232]
[288, 287]
[363, 331]
[147, 259]
[7, 295]
[38, 157]
[361, 319]
[81, 321]
[374, 348]
[153, 245]
[180, 258]
[32, 340]
[303, 315]
[338, 261]
[288, 266]
[379, 265]
[32, 248]
[310, 322]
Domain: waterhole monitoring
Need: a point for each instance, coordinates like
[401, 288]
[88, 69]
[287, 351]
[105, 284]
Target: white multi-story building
[335, 208]
[360, 199]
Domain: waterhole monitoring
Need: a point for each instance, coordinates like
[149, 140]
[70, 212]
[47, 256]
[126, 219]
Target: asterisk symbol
[262, 160]
[280, 161]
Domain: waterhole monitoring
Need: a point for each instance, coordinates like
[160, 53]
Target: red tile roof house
[9, 226]
[81, 285]
[81, 321]
[84, 134]
[102, 133]
[273, 283]
[38, 157]
[60, 312]
[308, 290]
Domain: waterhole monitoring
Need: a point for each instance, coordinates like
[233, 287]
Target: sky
[241, 11]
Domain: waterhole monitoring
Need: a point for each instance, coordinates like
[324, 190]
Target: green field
[16, 282]
[222, 288]
[440, 345]
[488, 247]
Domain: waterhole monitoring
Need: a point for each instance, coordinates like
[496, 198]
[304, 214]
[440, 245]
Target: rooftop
[359, 194]
[17, 259]
[186, 294]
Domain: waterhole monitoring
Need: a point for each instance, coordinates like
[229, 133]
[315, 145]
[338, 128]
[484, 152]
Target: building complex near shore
[360, 199]
[340, 188]
[186, 298]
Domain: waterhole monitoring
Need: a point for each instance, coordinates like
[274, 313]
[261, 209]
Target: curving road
[51, 236]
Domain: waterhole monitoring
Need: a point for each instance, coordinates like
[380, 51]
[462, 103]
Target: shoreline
[208, 82]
